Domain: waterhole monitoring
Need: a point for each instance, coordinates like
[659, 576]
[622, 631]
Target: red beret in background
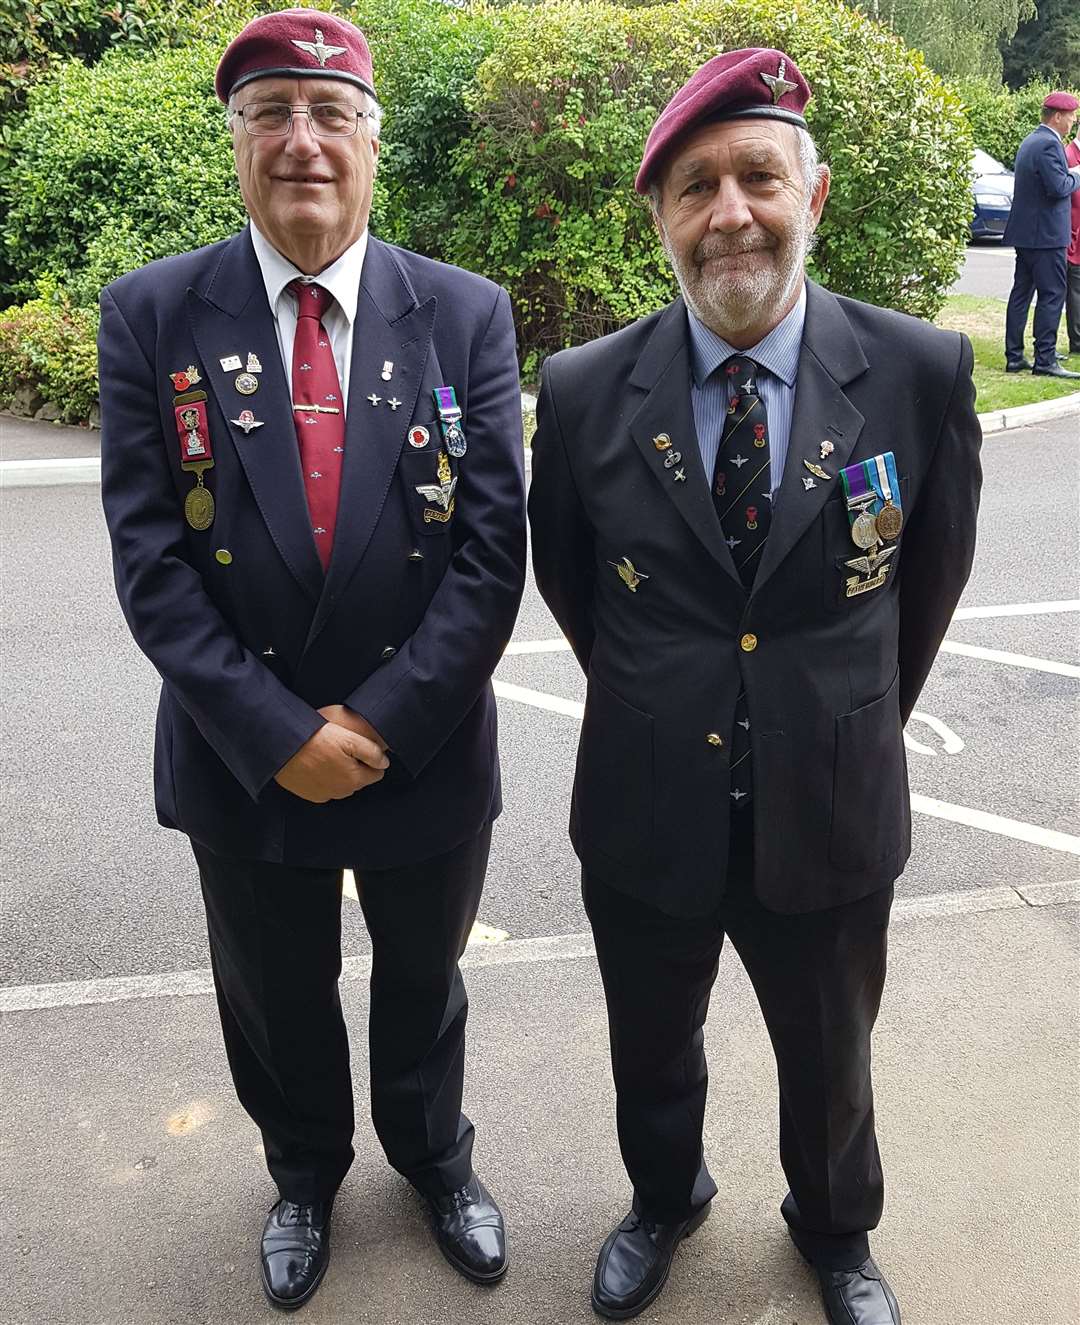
[1061, 101]
[295, 43]
[752, 83]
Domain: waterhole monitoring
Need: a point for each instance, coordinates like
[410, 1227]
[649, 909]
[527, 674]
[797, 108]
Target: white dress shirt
[341, 279]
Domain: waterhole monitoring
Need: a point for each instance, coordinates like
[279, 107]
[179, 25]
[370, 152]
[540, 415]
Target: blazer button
[416, 555]
[748, 643]
[388, 652]
[714, 738]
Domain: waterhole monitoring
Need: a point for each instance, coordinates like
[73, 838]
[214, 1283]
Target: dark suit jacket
[1041, 191]
[832, 678]
[249, 650]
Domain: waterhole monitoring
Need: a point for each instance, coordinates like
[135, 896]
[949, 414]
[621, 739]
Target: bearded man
[753, 514]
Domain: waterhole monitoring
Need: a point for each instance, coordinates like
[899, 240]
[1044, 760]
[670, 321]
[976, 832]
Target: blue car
[992, 186]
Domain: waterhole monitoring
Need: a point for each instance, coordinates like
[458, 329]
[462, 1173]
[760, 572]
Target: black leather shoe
[1053, 370]
[470, 1232]
[295, 1252]
[634, 1263]
[858, 1297]
[1017, 366]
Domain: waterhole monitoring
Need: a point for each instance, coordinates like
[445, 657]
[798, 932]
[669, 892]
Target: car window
[982, 163]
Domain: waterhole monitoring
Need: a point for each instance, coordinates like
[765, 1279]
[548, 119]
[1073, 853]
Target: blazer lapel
[232, 317]
[390, 325]
[830, 358]
[663, 371]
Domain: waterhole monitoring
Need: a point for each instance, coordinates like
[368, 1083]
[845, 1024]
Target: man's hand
[332, 765]
[353, 721]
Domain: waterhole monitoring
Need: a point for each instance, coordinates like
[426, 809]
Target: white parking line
[1018, 609]
[549, 948]
[1011, 659]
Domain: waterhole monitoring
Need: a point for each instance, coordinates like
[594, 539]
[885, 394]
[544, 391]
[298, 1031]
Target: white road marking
[537, 699]
[537, 646]
[1011, 659]
[549, 948]
[46, 473]
[1018, 609]
[996, 823]
[952, 743]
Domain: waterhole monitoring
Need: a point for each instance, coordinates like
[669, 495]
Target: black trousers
[275, 948]
[1042, 271]
[818, 979]
[1072, 306]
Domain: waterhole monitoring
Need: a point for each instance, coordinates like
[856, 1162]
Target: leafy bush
[50, 346]
[1000, 119]
[563, 108]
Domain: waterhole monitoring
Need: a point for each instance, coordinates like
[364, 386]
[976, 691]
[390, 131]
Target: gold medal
[889, 522]
[199, 506]
[864, 532]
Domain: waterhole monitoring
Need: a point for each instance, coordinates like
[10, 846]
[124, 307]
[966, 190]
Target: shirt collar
[777, 351]
[341, 278]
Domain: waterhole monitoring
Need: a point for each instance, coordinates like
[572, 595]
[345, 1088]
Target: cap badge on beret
[777, 83]
[320, 50]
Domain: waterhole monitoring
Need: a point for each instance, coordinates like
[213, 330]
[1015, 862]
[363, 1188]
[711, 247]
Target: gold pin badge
[662, 441]
[626, 572]
[816, 470]
[246, 383]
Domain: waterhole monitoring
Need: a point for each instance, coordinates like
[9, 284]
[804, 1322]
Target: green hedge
[1000, 119]
[48, 348]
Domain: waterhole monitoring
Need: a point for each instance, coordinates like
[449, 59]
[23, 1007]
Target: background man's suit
[1040, 230]
[830, 680]
[1072, 257]
[405, 628]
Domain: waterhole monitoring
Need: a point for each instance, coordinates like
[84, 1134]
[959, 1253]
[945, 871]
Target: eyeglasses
[326, 119]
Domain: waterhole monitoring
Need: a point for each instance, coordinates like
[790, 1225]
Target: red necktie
[318, 413]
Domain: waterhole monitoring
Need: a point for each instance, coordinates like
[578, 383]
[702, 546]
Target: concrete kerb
[51, 470]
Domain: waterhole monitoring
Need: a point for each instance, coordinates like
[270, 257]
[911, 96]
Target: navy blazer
[1040, 215]
[830, 678]
[249, 636]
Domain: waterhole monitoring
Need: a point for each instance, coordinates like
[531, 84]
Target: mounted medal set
[872, 497]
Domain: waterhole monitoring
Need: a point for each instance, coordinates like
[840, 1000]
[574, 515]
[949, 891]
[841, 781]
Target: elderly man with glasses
[312, 477]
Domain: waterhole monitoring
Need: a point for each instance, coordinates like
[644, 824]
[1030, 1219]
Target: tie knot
[310, 298]
[742, 372]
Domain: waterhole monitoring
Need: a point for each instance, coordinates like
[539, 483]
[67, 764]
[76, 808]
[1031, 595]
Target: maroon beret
[752, 83]
[1061, 101]
[295, 43]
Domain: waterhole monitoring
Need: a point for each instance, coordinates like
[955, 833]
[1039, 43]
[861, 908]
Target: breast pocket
[429, 475]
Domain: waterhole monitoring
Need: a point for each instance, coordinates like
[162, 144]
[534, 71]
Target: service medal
[889, 522]
[199, 506]
[450, 420]
[864, 530]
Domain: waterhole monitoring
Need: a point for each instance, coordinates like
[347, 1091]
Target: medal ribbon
[446, 404]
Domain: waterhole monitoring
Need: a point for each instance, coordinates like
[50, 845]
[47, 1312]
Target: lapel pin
[629, 576]
[247, 421]
[808, 483]
[419, 437]
[671, 459]
[186, 379]
[387, 370]
[231, 363]
[816, 470]
[680, 476]
[253, 364]
[827, 449]
[374, 399]
[662, 441]
[394, 403]
[246, 383]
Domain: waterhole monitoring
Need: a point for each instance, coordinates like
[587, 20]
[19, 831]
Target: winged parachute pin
[319, 48]
[441, 493]
[777, 83]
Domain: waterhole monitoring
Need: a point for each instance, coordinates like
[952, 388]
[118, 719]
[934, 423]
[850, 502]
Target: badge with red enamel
[751, 517]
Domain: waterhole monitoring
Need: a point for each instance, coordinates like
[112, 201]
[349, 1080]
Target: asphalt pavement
[988, 270]
[132, 1182]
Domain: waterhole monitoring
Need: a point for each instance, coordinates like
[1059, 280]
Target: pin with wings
[440, 493]
[319, 48]
[868, 565]
[629, 576]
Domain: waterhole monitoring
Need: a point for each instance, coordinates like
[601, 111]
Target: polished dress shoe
[1017, 366]
[470, 1232]
[634, 1263]
[295, 1252]
[858, 1297]
[1053, 370]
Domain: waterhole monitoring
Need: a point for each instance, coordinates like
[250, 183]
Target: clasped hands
[344, 756]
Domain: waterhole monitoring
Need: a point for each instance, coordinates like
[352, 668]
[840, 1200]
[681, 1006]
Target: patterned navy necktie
[741, 482]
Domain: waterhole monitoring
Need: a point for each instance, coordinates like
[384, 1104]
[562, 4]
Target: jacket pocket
[870, 810]
[613, 784]
[429, 477]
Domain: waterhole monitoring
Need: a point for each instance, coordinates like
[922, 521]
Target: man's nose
[301, 141]
[730, 211]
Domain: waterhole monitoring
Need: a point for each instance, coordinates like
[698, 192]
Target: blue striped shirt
[778, 355]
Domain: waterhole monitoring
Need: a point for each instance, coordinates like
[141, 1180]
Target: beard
[734, 301]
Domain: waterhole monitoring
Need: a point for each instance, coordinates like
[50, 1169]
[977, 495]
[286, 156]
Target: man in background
[1039, 228]
[312, 477]
[1072, 258]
